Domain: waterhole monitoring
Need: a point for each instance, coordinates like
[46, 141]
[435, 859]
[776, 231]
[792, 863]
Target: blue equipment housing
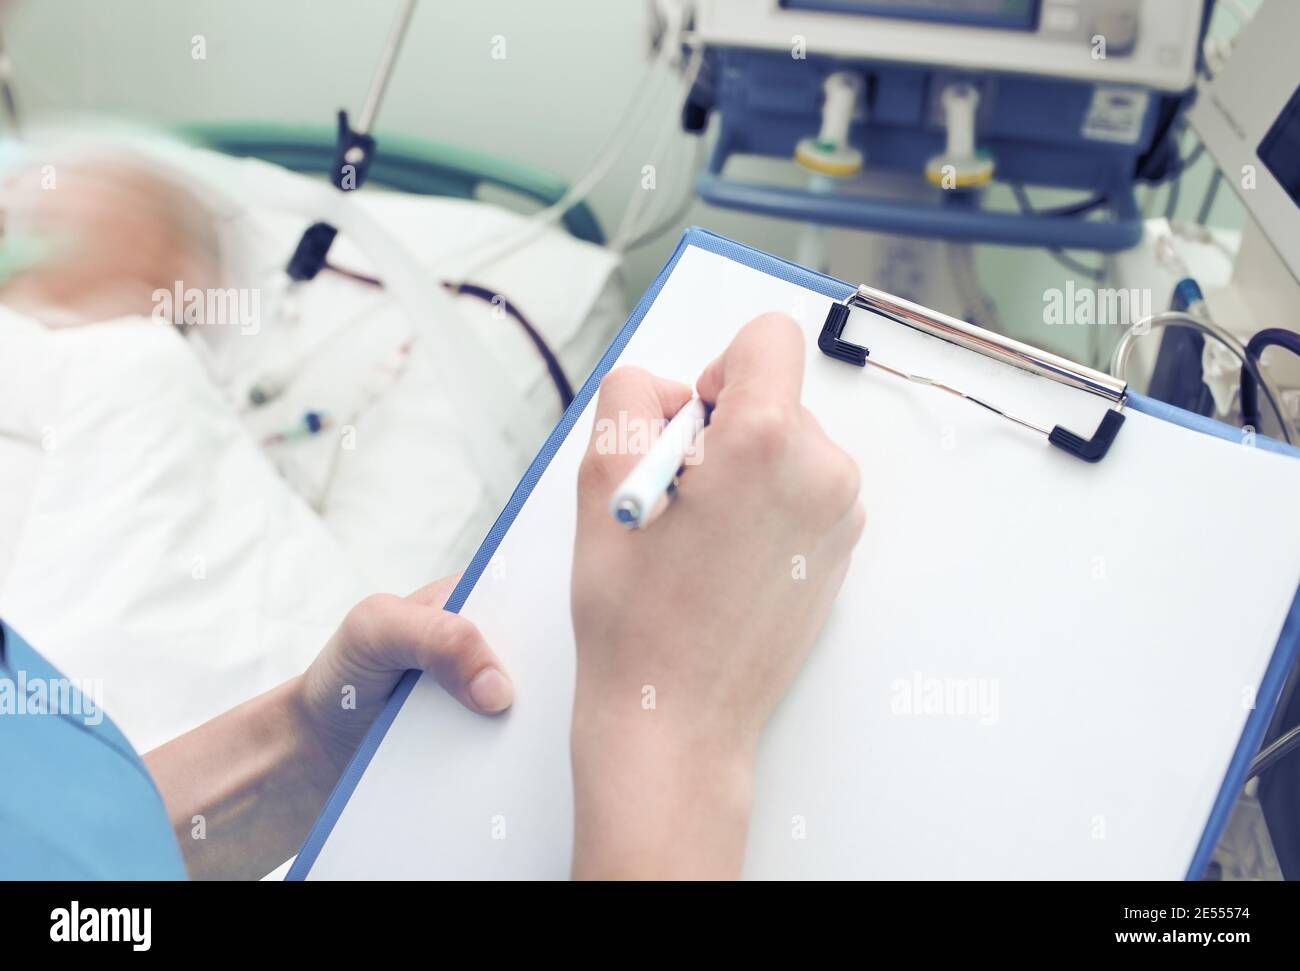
[1034, 127]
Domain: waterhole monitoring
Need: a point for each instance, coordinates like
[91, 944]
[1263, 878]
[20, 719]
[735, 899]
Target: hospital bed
[405, 164]
[155, 541]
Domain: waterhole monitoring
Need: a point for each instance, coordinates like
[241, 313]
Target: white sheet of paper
[1036, 668]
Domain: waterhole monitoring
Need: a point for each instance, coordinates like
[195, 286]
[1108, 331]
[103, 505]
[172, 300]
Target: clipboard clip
[1093, 449]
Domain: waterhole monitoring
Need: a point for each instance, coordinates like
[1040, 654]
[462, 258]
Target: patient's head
[92, 239]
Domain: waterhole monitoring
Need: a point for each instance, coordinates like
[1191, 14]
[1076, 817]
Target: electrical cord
[553, 367]
[1274, 752]
[1070, 263]
[683, 206]
[633, 119]
[1150, 325]
[1059, 255]
[1078, 208]
[627, 230]
[1176, 183]
[1272, 337]
[1175, 193]
[1211, 194]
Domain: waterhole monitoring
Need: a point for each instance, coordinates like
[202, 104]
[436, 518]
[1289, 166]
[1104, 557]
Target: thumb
[408, 634]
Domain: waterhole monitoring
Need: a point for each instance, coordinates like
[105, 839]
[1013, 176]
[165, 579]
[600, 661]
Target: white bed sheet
[147, 539]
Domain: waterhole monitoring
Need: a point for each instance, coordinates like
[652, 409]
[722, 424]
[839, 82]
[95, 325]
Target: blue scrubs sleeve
[76, 802]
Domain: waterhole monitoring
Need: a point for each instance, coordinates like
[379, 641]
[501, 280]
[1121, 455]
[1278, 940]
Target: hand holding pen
[678, 671]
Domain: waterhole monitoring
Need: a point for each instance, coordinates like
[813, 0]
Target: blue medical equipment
[1085, 96]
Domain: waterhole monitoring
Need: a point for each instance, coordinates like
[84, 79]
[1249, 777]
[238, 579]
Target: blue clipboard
[1284, 655]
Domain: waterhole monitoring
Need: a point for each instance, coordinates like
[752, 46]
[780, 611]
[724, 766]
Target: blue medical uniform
[76, 802]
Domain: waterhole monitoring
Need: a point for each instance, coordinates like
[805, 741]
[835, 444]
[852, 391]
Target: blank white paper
[1036, 668]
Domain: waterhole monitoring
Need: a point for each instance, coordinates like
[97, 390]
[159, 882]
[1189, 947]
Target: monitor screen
[1014, 14]
[1280, 150]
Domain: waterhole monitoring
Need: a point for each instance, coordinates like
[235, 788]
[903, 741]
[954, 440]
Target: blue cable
[1273, 337]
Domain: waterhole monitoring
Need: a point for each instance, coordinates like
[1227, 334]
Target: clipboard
[1279, 662]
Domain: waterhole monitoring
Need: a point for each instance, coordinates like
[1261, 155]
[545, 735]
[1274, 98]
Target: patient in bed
[101, 238]
[104, 235]
[213, 542]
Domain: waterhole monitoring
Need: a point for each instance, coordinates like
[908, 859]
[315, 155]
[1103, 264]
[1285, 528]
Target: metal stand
[355, 149]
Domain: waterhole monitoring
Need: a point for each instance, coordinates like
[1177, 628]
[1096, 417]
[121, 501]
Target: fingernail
[491, 691]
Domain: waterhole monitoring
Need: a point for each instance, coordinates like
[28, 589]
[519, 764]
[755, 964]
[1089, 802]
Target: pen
[647, 487]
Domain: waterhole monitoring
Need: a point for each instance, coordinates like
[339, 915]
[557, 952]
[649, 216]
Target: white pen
[646, 488]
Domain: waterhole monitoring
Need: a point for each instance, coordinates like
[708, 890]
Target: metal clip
[1004, 349]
